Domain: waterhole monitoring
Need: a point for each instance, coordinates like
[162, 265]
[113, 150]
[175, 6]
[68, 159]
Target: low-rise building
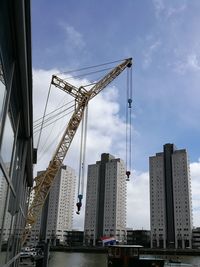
[138, 237]
[196, 237]
[74, 238]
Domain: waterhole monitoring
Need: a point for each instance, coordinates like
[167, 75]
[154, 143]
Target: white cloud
[138, 208]
[159, 6]
[191, 62]
[73, 37]
[149, 53]
[172, 11]
[168, 9]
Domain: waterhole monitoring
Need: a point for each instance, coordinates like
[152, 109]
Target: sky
[162, 37]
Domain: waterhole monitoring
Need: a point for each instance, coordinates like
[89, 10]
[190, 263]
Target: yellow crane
[44, 181]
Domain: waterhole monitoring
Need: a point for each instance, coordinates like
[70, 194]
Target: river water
[68, 259]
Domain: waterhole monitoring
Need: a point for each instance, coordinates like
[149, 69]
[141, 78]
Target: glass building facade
[16, 144]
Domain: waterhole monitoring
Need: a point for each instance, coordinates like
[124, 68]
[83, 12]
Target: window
[7, 142]
[2, 92]
[3, 200]
[5, 217]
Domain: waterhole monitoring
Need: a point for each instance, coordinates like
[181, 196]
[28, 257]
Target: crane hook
[129, 102]
[79, 204]
[128, 173]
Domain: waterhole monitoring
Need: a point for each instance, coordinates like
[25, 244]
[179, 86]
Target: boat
[128, 256]
[32, 254]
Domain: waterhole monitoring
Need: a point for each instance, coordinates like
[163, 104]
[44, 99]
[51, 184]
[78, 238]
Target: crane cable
[82, 160]
[44, 149]
[55, 118]
[128, 123]
[90, 67]
[45, 109]
[85, 74]
[37, 122]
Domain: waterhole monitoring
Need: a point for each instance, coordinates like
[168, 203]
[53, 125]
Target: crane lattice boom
[44, 181]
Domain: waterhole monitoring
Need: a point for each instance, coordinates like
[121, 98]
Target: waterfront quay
[143, 251]
[185, 252]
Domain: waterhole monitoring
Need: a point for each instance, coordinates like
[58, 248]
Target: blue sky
[163, 38]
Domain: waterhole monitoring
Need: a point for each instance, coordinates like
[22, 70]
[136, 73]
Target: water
[68, 259]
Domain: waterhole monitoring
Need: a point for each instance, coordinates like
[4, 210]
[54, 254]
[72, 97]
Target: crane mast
[44, 181]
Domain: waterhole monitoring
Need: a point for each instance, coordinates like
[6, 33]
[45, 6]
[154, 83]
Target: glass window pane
[3, 201]
[2, 92]
[3, 195]
[7, 227]
[7, 142]
[2, 257]
[7, 231]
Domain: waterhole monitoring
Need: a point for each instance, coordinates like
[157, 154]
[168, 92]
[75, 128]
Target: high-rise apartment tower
[170, 199]
[58, 209]
[105, 213]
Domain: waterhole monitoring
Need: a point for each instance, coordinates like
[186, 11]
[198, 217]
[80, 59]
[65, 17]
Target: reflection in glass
[9, 235]
[7, 142]
[2, 93]
[7, 241]
[3, 200]
[3, 196]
